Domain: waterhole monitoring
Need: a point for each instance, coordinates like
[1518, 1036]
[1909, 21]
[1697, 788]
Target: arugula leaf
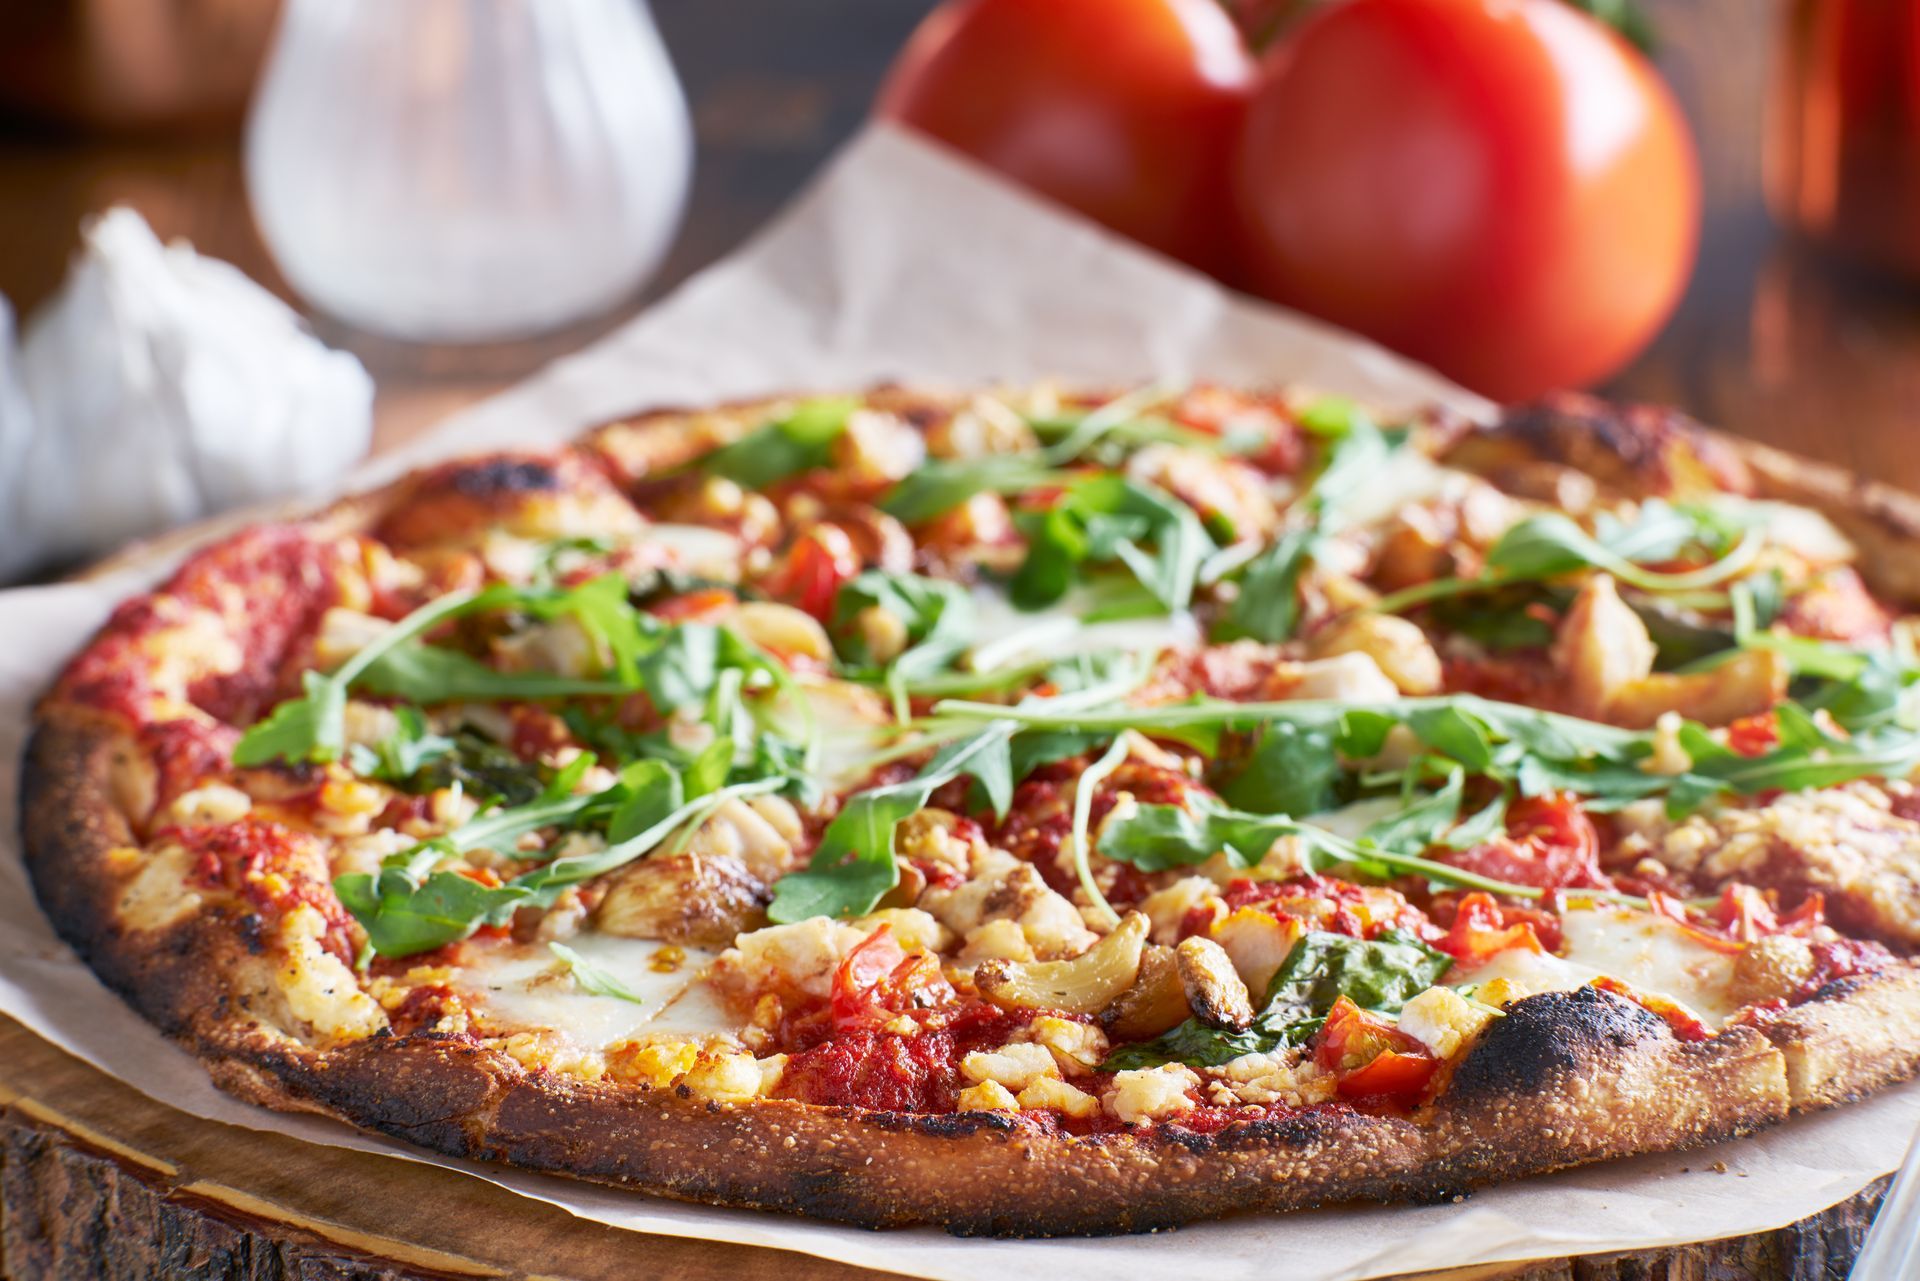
[593, 979]
[938, 617]
[685, 663]
[800, 442]
[1380, 974]
[853, 866]
[411, 906]
[422, 673]
[939, 486]
[1268, 606]
[1289, 771]
[443, 908]
[310, 728]
[1104, 518]
[402, 754]
[1551, 545]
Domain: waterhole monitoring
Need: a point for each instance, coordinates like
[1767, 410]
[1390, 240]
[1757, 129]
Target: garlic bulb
[450, 170]
[156, 387]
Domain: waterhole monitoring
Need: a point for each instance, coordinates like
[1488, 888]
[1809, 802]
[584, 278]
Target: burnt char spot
[492, 477]
[1547, 1036]
[1654, 443]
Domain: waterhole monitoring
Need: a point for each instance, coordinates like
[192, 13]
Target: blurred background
[141, 102]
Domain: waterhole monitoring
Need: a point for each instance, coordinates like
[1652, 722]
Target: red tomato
[818, 562]
[1503, 189]
[1371, 1055]
[1480, 931]
[1122, 109]
[879, 981]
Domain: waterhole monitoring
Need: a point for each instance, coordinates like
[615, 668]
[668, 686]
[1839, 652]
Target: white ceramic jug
[467, 170]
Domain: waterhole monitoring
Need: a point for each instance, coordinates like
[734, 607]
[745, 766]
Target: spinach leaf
[1380, 974]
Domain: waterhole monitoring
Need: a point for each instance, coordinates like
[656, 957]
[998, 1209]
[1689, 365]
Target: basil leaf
[800, 442]
[1193, 1043]
[1380, 974]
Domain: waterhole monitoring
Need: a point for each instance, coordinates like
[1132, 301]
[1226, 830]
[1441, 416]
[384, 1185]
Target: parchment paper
[902, 262]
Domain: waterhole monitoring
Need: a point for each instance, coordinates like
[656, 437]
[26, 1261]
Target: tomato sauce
[273, 868]
[268, 586]
[873, 1068]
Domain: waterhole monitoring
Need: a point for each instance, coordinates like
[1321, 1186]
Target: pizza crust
[1565, 1078]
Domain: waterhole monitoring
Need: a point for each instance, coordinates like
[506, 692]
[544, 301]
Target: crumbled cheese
[1151, 1094]
[1000, 940]
[320, 990]
[1049, 1092]
[1005, 888]
[158, 894]
[1078, 1048]
[213, 803]
[988, 1096]
[348, 806]
[912, 929]
[1168, 908]
[1258, 943]
[657, 1063]
[1440, 1019]
[730, 1078]
[1669, 756]
[1284, 1076]
[1014, 1066]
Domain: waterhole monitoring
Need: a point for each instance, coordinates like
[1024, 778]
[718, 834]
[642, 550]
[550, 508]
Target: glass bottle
[467, 170]
[1843, 158]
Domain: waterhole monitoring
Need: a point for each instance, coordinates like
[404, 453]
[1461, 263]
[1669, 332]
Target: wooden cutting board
[96, 1180]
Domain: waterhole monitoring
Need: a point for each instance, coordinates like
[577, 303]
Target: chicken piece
[701, 899]
[1606, 655]
[1397, 647]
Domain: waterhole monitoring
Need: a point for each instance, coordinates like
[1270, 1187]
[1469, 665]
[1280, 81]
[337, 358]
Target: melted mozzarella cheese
[1350, 822]
[524, 987]
[1405, 477]
[697, 549]
[1798, 529]
[1010, 636]
[1648, 953]
[853, 723]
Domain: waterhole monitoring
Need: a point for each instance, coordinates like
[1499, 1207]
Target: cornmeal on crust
[1028, 811]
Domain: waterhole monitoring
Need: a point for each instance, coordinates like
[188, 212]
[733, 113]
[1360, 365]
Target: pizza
[1026, 811]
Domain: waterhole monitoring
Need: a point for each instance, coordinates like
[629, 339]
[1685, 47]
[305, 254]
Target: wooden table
[97, 1181]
